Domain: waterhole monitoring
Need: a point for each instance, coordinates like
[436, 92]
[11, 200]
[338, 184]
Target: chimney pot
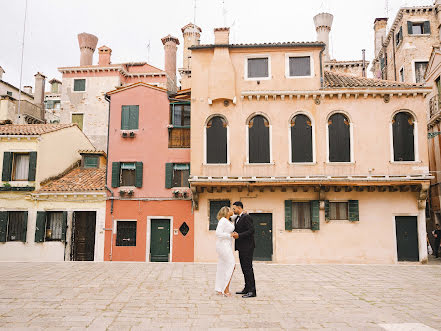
[87, 43]
[170, 47]
[323, 24]
[380, 25]
[27, 89]
[39, 91]
[104, 54]
[222, 36]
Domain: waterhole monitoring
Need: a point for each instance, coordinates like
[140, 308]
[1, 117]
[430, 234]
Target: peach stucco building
[332, 168]
[149, 213]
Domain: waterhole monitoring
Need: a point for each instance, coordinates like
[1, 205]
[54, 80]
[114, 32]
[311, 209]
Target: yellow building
[332, 168]
[35, 214]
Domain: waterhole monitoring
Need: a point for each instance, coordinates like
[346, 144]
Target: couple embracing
[235, 223]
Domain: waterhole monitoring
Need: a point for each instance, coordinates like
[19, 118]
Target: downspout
[322, 80]
[107, 98]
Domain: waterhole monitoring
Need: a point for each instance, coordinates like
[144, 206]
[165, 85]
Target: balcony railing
[179, 137]
[434, 106]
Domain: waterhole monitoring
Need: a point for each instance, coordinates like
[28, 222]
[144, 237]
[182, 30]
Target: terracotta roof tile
[333, 80]
[31, 129]
[78, 180]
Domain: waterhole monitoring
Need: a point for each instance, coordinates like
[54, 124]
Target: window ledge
[260, 164]
[216, 164]
[300, 231]
[405, 162]
[258, 78]
[302, 163]
[420, 35]
[340, 221]
[340, 163]
[298, 77]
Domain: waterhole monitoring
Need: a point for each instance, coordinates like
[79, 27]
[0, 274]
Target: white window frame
[271, 162]
[149, 234]
[205, 143]
[311, 62]
[413, 68]
[314, 160]
[415, 139]
[257, 56]
[73, 84]
[351, 137]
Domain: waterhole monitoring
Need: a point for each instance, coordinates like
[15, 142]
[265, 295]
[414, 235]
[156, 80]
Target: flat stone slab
[139, 296]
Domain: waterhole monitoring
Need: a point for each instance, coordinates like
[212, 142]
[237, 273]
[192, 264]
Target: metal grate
[184, 229]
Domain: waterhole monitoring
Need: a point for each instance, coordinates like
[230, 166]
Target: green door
[407, 238]
[263, 225]
[160, 240]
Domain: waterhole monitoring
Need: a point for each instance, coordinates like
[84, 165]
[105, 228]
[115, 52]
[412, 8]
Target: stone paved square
[141, 296]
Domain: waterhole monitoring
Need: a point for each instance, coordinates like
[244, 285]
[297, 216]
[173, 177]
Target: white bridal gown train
[224, 249]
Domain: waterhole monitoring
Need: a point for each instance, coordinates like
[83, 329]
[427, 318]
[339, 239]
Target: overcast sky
[127, 26]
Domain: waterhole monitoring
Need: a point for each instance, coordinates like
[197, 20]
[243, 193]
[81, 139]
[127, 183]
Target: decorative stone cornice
[120, 69]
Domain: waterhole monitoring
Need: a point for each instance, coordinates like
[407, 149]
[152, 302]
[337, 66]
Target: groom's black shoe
[249, 295]
[244, 291]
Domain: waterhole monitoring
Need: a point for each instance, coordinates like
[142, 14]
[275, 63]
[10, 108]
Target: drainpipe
[107, 98]
[322, 80]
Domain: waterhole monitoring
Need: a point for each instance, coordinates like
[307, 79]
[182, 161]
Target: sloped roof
[78, 180]
[125, 87]
[31, 129]
[263, 45]
[333, 80]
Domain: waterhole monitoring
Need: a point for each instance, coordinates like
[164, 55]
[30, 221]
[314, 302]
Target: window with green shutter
[215, 206]
[32, 166]
[181, 172]
[3, 225]
[138, 174]
[40, 227]
[91, 161]
[353, 211]
[417, 28]
[79, 85]
[128, 174]
[7, 166]
[288, 215]
[17, 226]
[116, 169]
[130, 117]
[169, 175]
[315, 215]
[64, 226]
[327, 214]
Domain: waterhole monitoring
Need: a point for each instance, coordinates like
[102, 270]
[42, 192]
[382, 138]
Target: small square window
[79, 85]
[258, 68]
[300, 66]
[54, 226]
[128, 174]
[181, 172]
[417, 28]
[126, 233]
[301, 215]
[338, 210]
[20, 166]
[9, 93]
[90, 161]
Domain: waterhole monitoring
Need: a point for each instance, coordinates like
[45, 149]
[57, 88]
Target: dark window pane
[301, 139]
[177, 115]
[186, 116]
[128, 174]
[339, 138]
[126, 233]
[181, 172]
[403, 137]
[79, 85]
[258, 68]
[215, 206]
[91, 162]
[300, 66]
[217, 141]
[16, 225]
[258, 133]
[338, 210]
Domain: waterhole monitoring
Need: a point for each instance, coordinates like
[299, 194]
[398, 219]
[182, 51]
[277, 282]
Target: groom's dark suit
[245, 245]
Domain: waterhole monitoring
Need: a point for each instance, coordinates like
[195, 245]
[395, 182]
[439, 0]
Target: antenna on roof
[22, 55]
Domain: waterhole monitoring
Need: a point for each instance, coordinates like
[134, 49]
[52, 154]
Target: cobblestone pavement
[138, 296]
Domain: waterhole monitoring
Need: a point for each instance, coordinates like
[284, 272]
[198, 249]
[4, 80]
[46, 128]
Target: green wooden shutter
[125, 117]
[215, 206]
[134, 117]
[32, 166]
[25, 227]
[3, 225]
[138, 174]
[288, 215]
[327, 211]
[315, 215]
[90, 162]
[168, 175]
[40, 227]
[353, 211]
[426, 27]
[116, 169]
[7, 166]
[409, 27]
[64, 226]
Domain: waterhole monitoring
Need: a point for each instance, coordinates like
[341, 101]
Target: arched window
[301, 139]
[217, 140]
[258, 135]
[403, 134]
[339, 138]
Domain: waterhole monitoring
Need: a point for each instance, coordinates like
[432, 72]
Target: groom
[244, 235]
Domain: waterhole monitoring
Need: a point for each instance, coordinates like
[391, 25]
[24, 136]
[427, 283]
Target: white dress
[224, 249]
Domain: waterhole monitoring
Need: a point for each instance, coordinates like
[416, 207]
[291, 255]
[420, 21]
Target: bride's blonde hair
[223, 212]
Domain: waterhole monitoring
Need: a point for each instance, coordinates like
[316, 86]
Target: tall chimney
[1, 73]
[87, 44]
[55, 85]
[380, 25]
[191, 34]
[104, 54]
[170, 47]
[323, 24]
[222, 36]
[39, 92]
[27, 89]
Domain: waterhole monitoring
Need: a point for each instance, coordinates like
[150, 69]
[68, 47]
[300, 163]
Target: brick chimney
[27, 89]
[1, 73]
[323, 24]
[40, 80]
[380, 25]
[104, 54]
[222, 36]
[87, 44]
[55, 85]
[170, 47]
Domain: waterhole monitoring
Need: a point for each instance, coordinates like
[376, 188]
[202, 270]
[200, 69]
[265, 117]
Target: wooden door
[160, 240]
[407, 238]
[83, 236]
[263, 225]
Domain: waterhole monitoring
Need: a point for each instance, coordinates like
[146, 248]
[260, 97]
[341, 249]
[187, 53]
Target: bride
[226, 263]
